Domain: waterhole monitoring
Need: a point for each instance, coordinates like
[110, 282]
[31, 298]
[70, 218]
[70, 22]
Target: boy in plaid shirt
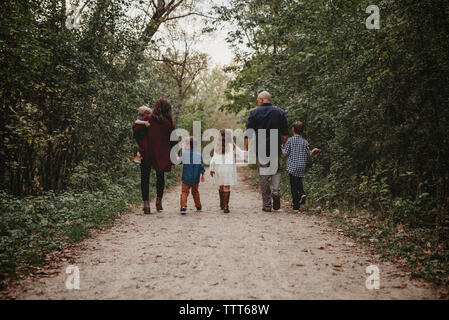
[298, 152]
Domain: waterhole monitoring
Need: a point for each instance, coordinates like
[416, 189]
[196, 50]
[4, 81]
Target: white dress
[224, 166]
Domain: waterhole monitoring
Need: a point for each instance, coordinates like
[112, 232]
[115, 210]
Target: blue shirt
[268, 117]
[298, 152]
[193, 166]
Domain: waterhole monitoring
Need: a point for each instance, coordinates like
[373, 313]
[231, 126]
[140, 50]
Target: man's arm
[249, 125]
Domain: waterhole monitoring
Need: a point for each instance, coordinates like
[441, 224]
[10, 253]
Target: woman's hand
[202, 178]
[147, 124]
[212, 173]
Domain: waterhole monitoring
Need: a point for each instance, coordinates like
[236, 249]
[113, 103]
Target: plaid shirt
[298, 152]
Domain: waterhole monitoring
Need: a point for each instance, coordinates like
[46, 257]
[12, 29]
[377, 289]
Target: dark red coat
[155, 146]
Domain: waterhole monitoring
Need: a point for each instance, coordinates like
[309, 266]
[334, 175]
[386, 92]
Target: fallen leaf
[400, 286]
[338, 269]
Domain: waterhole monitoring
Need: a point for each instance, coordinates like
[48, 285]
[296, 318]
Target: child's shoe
[183, 211]
[303, 199]
[138, 158]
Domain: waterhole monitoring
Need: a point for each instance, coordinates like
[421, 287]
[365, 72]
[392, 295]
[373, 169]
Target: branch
[189, 14]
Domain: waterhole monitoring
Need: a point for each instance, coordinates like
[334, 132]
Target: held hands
[212, 173]
[202, 177]
[147, 124]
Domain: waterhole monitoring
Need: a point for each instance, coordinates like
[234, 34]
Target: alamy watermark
[373, 21]
[270, 160]
[373, 280]
[73, 280]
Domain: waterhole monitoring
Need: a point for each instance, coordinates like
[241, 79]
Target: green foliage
[375, 101]
[32, 226]
[68, 100]
[67, 95]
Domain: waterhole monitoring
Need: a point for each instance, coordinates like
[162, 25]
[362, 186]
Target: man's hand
[202, 177]
[315, 151]
[212, 173]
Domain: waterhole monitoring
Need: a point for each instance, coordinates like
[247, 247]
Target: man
[264, 118]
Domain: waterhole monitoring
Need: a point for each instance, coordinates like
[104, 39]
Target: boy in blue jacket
[192, 171]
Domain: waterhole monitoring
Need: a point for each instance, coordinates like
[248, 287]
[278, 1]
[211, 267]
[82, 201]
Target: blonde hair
[143, 110]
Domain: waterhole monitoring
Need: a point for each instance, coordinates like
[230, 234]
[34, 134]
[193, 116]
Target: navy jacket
[193, 166]
[268, 117]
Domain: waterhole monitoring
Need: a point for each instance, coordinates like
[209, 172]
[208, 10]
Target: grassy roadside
[425, 251]
[31, 227]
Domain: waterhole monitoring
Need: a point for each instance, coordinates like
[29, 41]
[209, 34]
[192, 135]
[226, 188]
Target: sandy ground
[247, 254]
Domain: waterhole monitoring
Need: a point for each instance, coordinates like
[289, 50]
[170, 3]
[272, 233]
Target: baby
[141, 112]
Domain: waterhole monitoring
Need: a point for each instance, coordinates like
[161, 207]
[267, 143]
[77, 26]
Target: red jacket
[155, 146]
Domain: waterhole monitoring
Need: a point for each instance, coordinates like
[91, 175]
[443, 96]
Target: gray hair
[264, 95]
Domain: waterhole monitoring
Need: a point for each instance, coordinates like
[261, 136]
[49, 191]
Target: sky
[213, 44]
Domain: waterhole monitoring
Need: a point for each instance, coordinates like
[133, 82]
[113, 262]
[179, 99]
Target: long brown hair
[163, 111]
[223, 141]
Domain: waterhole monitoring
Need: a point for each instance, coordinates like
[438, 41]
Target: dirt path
[248, 254]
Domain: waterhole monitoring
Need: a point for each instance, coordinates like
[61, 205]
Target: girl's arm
[212, 166]
[239, 153]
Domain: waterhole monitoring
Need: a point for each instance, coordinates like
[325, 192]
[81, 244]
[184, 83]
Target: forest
[375, 101]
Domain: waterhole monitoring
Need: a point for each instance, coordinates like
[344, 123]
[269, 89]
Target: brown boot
[146, 207]
[226, 195]
[221, 199]
[159, 204]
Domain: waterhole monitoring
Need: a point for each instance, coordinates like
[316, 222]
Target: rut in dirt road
[247, 254]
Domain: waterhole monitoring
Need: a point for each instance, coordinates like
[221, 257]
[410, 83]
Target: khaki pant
[185, 193]
[264, 182]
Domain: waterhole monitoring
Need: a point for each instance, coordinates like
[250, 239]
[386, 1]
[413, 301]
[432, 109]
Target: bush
[32, 226]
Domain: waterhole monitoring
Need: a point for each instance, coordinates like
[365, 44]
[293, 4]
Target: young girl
[223, 166]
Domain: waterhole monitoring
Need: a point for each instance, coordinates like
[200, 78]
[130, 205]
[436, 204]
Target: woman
[155, 151]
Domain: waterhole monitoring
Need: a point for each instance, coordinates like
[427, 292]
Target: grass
[31, 227]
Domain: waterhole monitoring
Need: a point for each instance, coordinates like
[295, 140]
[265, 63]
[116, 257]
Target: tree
[156, 13]
[182, 64]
